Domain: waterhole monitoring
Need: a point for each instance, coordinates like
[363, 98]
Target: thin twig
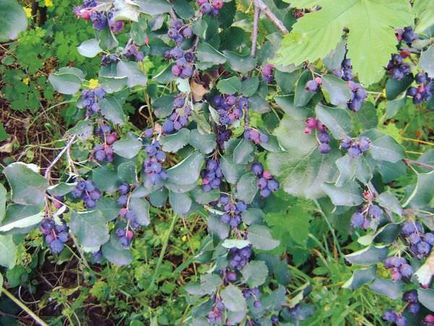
[69, 144]
[271, 16]
[412, 162]
[38, 320]
[255, 30]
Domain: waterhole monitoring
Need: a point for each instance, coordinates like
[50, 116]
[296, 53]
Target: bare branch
[255, 30]
[270, 15]
[421, 164]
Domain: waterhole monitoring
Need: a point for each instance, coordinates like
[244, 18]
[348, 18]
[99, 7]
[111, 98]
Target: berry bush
[297, 135]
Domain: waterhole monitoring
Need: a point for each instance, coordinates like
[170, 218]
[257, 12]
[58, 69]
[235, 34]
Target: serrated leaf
[386, 149]
[336, 89]
[180, 202]
[233, 298]
[187, 171]
[112, 110]
[66, 80]
[3, 194]
[131, 71]
[255, 273]
[8, 251]
[27, 185]
[346, 195]
[229, 85]
[115, 253]
[243, 152]
[260, 237]
[205, 143]
[247, 188]
[337, 120]
[368, 256]
[235, 243]
[90, 228]
[140, 207]
[154, 7]
[21, 222]
[128, 147]
[174, 142]
[426, 297]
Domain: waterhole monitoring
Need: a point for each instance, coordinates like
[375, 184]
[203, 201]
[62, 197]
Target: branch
[255, 30]
[271, 16]
[421, 164]
[48, 170]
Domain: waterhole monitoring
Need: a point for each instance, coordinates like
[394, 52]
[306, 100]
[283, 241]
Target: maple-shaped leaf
[371, 37]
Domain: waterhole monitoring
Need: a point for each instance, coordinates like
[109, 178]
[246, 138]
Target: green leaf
[242, 64]
[426, 61]
[337, 120]
[301, 167]
[131, 71]
[360, 277]
[368, 256]
[174, 142]
[387, 234]
[27, 185]
[183, 9]
[235, 243]
[386, 149]
[187, 171]
[426, 297]
[12, 21]
[115, 253]
[371, 37]
[387, 287]
[233, 298]
[230, 85]
[347, 195]
[425, 15]
[8, 251]
[108, 208]
[154, 7]
[243, 152]
[66, 80]
[205, 143]
[21, 222]
[209, 56]
[258, 104]
[231, 171]
[140, 207]
[247, 188]
[389, 201]
[112, 110]
[351, 168]
[128, 147]
[90, 228]
[260, 237]
[255, 273]
[302, 96]
[127, 172]
[422, 195]
[89, 48]
[396, 87]
[3, 198]
[249, 86]
[180, 202]
[335, 90]
[105, 178]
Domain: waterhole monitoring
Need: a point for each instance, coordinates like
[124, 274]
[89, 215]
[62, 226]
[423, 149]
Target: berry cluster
[85, 10]
[223, 135]
[323, 136]
[56, 235]
[407, 35]
[179, 117]
[313, 85]
[363, 219]
[153, 165]
[399, 268]
[215, 316]
[133, 52]
[212, 175]
[255, 294]
[90, 100]
[420, 242]
[266, 182]
[347, 70]
[88, 192]
[125, 237]
[392, 316]
[358, 95]
[104, 152]
[356, 147]
[267, 73]
[108, 59]
[116, 26]
[230, 108]
[255, 136]
[413, 305]
[423, 92]
[238, 258]
[210, 7]
[178, 31]
[396, 68]
[232, 210]
[123, 190]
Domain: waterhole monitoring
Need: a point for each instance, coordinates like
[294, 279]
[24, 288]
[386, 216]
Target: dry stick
[424, 165]
[270, 15]
[38, 320]
[255, 30]
[48, 170]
